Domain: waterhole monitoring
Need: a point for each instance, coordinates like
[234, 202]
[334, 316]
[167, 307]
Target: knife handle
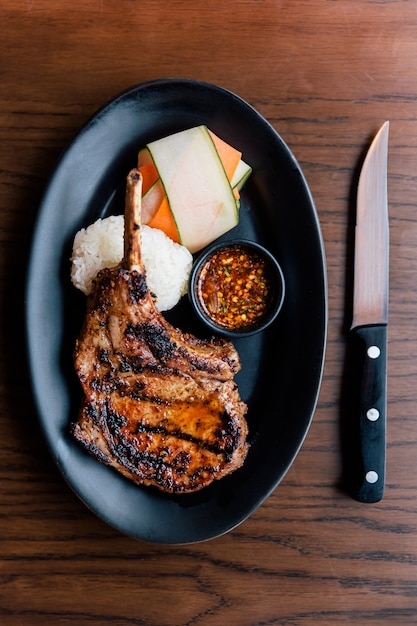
[371, 405]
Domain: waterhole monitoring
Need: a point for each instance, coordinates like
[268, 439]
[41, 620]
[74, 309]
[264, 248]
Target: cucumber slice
[198, 191]
[241, 175]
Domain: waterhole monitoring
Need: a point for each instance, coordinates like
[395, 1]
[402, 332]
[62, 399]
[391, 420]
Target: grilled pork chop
[160, 406]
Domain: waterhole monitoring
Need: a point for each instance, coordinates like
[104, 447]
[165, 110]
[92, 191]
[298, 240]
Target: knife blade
[370, 319]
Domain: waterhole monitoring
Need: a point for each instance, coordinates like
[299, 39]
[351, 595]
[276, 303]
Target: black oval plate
[281, 368]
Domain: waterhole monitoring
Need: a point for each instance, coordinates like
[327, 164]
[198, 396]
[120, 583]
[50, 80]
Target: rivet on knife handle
[372, 414]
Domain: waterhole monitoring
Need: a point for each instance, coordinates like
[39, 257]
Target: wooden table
[326, 74]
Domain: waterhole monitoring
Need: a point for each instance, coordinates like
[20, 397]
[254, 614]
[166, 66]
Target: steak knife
[370, 319]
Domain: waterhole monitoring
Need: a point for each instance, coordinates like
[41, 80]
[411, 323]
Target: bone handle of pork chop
[132, 258]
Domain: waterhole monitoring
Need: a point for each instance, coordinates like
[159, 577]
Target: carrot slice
[149, 176]
[164, 220]
[156, 211]
[229, 156]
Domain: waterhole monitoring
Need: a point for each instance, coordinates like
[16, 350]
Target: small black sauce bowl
[277, 289]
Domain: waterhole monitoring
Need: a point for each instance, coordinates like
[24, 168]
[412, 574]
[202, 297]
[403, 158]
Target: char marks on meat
[160, 406]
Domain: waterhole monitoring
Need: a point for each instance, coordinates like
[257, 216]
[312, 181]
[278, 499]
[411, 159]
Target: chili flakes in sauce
[235, 287]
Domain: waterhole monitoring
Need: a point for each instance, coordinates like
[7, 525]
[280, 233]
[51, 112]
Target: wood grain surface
[326, 74]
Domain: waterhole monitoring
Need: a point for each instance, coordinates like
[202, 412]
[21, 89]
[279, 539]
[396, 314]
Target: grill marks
[160, 406]
[169, 408]
[155, 337]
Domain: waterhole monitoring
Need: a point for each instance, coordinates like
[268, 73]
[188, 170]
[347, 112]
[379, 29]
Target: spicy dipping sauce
[236, 286]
